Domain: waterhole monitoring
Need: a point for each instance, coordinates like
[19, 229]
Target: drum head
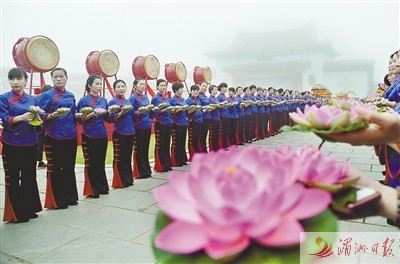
[151, 67]
[181, 72]
[42, 53]
[108, 63]
[207, 75]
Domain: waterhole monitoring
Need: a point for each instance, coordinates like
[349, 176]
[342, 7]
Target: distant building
[293, 59]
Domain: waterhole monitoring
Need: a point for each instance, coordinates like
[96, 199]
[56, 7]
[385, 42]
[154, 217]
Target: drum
[202, 74]
[105, 63]
[175, 72]
[146, 67]
[36, 54]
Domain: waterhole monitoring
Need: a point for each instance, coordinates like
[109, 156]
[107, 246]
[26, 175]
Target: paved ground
[116, 228]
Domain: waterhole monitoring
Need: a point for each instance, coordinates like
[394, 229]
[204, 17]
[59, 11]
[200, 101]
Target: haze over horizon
[186, 31]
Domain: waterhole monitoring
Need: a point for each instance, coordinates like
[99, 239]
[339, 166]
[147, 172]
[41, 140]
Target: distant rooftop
[299, 40]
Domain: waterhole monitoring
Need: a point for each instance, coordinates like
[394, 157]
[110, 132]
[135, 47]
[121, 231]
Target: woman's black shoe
[33, 215]
[95, 196]
[64, 206]
[73, 203]
[105, 192]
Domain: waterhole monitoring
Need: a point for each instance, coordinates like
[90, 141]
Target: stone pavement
[116, 228]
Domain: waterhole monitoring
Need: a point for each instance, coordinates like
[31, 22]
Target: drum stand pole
[104, 87]
[109, 87]
[148, 89]
[187, 89]
[42, 80]
[30, 82]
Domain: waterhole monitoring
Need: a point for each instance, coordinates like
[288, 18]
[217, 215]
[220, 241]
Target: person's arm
[383, 128]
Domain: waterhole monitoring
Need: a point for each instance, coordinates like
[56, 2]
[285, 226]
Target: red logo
[326, 251]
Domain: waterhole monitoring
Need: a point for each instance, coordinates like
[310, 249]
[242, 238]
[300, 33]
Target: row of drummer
[224, 118]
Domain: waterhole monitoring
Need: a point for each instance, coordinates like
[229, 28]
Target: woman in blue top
[122, 136]
[162, 127]
[233, 118]
[213, 139]
[179, 127]
[140, 103]
[206, 116]
[195, 118]
[94, 138]
[260, 129]
[19, 140]
[242, 115]
[224, 115]
[61, 142]
[247, 119]
[393, 92]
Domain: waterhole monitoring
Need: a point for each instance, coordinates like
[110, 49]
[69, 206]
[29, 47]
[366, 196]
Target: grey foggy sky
[185, 30]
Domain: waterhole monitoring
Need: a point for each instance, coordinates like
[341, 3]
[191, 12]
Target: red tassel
[50, 202]
[135, 172]
[116, 182]
[157, 163]
[9, 214]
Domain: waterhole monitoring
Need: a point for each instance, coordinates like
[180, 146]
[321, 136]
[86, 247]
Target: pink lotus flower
[36, 109]
[229, 199]
[321, 118]
[316, 169]
[99, 111]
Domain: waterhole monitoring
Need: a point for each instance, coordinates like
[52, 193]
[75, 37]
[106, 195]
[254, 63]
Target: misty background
[344, 45]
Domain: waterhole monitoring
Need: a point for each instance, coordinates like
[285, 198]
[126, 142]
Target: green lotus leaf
[36, 122]
[352, 126]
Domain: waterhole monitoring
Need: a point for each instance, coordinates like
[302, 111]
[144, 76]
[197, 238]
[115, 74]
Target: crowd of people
[224, 118]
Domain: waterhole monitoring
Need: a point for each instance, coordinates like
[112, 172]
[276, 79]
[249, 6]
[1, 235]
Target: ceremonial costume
[224, 123]
[247, 119]
[213, 139]
[233, 122]
[141, 166]
[122, 143]
[162, 127]
[179, 131]
[260, 130]
[60, 147]
[254, 118]
[94, 147]
[206, 122]
[242, 116]
[19, 159]
[195, 120]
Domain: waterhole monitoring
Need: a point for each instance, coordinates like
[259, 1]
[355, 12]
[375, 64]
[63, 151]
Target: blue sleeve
[155, 101]
[44, 103]
[5, 112]
[394, 94]
[132, 99]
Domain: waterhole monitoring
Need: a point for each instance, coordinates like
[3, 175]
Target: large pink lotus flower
[229, 199]
[323, 117]
[316, 169]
